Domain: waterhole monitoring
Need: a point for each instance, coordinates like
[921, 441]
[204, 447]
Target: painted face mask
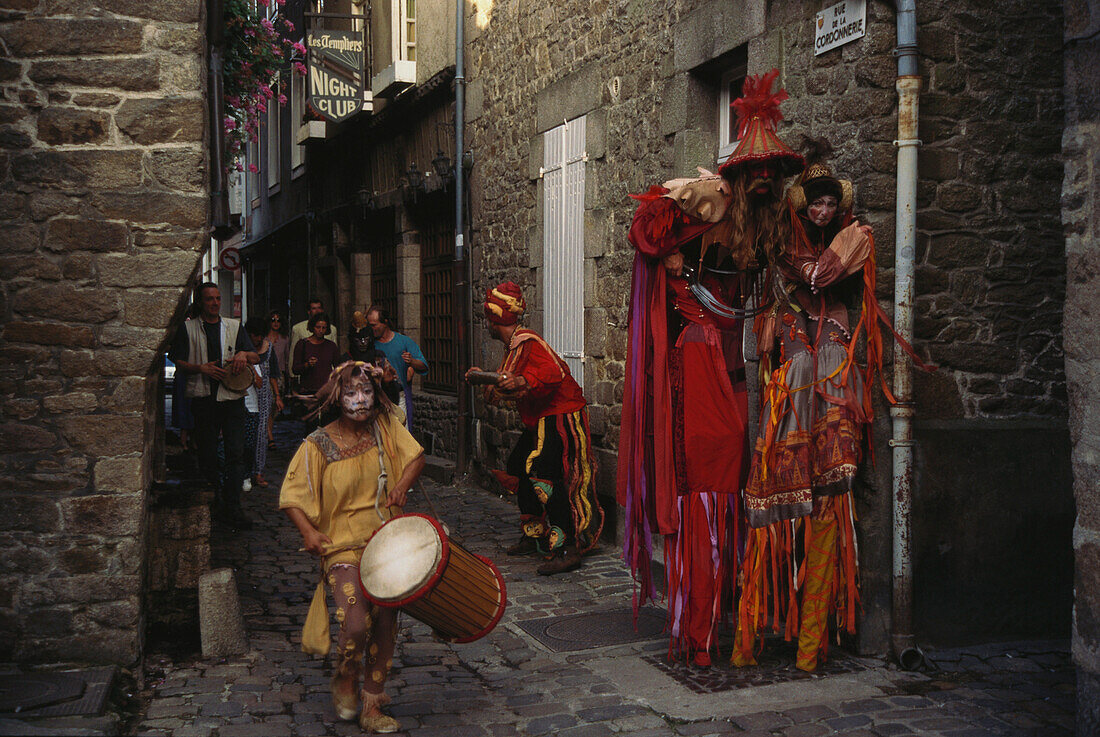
[357, 400]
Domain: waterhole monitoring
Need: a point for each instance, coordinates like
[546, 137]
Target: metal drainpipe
[219, 193]
[905, 649]
[461, 267]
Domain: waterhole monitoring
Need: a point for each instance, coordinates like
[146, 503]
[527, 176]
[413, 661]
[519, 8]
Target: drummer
[551, 469]
[338, 494]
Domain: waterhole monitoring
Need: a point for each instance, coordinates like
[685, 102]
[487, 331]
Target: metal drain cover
[22, 691]
[598, 629]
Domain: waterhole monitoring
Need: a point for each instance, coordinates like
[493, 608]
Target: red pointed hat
[757, 117]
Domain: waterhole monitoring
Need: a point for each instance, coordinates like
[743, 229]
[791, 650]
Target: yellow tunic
[337, 490]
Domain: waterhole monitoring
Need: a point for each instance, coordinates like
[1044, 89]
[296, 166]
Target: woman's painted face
[320, 328]
[357, 399]
[822, 210]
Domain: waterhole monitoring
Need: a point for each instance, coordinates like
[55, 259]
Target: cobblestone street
[510, 683]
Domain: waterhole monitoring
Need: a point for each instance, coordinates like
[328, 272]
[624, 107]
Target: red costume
[551, 469]
[683, 456]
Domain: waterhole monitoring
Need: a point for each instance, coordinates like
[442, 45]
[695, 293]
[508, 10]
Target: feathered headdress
[758, 116]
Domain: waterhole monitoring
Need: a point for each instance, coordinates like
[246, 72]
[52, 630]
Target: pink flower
[262, 107]
[282, 99]
[298, 48]
[300, 68]
[253, 168]
[266, 91]
[230, 124]
[240, 166]
[267, 25]
[289, 25]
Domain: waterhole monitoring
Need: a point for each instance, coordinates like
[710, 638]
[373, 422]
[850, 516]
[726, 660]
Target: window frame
[727, 141]
[297, 116]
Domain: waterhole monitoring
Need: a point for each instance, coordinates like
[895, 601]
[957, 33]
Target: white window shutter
[564, 158]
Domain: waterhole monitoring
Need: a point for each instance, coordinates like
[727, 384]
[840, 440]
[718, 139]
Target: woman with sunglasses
[280, 344]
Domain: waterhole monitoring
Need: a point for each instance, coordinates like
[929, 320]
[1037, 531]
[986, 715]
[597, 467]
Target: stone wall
[103, 208]
[990, 272]
[1080, 217]
[434, 422]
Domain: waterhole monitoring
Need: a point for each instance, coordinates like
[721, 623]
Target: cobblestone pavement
[509, 683]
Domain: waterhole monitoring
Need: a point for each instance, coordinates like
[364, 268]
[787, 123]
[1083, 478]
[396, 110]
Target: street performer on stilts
[551, 470]
[701, 245]
[801, 559]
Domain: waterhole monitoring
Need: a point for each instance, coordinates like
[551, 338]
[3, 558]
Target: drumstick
[482, 377]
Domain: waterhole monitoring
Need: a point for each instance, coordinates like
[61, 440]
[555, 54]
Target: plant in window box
[257, 50]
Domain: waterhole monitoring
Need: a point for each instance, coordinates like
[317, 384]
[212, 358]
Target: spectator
[267, 394]
[361, 348]
[301, 331]
[315, 357]
[401, 351]
[182, 419]
[208, 349]
[277, 334]
[251, 428]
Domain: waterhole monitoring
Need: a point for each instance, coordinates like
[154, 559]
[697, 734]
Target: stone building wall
[1081, 223]
[103, 208]
[990, 272]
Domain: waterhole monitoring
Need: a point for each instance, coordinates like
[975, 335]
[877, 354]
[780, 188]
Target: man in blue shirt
[401, 351]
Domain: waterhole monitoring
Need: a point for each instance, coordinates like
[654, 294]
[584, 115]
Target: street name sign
[837, 25]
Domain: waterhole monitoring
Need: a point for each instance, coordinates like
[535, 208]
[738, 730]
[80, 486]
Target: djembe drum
[410, 563]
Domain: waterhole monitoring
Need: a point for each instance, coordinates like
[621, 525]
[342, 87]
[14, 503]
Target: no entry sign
[230, 258]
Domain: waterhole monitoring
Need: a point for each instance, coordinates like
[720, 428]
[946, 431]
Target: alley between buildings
[564, 681]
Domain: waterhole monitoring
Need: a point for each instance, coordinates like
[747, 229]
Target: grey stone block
[220, 624]
[570, 97]
[694, 148]
[714, 29]
[535, 157]
[684, 96]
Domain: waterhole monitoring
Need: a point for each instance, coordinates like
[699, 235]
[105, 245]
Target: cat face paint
[357, 399]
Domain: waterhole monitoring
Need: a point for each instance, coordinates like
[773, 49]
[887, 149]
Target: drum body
[410, 563]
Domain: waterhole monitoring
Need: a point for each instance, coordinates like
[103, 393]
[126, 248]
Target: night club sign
[335, 73]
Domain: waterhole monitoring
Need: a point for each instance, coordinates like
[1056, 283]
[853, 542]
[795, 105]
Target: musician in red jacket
[551, 469]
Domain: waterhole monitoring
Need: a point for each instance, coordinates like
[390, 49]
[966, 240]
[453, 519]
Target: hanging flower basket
[258, 52]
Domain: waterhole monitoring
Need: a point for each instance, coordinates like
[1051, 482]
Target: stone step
[440, 470]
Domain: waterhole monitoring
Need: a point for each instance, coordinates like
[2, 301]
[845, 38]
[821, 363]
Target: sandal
[371, 719]
[259, 480]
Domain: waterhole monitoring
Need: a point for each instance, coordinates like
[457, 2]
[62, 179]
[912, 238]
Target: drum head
[400, 559]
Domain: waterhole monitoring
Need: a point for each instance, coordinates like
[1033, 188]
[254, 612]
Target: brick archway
[103, 214]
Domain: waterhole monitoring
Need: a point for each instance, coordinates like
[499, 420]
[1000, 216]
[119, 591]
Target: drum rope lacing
[383, 476]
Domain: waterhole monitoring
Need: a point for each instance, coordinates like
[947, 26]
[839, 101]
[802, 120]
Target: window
[408, 30]
[383, 278]
[729, 90]
[297, 118]
[563, 242]
[437, 330]
[274, 112]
